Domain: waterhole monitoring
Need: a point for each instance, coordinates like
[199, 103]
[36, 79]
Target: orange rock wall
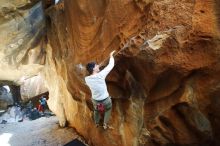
[165, 83]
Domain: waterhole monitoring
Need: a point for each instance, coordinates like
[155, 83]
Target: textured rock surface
[21, 49]
[33, 86]
[20, 28]
[5, 98]
[165, 85]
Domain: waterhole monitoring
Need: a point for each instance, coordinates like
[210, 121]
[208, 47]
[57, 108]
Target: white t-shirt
[97, 82]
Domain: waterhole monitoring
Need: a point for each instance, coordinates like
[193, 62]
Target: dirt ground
[44, 131]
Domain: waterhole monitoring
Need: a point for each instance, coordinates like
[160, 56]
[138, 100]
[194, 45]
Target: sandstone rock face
[5, 98]
[165, 83]
[33, 86]
[22, 52]
[21, 29]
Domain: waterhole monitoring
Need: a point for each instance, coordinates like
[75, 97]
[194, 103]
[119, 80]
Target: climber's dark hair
[90, 67]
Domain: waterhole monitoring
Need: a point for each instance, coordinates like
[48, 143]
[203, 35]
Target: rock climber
[100, 96]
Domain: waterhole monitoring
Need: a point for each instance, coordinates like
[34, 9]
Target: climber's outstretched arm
[109, 67]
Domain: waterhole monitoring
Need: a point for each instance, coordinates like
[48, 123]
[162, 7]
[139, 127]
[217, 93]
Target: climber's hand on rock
[112, 53]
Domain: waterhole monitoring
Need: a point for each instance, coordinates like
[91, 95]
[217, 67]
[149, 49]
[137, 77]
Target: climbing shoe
[105, 126]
